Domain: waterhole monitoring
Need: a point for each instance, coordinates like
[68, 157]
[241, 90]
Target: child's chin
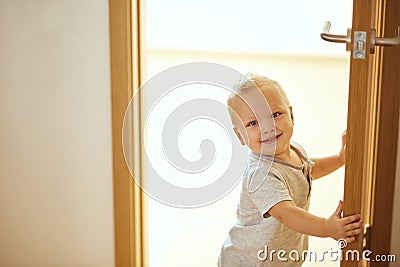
[268, 152]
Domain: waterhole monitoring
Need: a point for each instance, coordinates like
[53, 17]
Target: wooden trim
[387, 133]
[360, 127]
[139, 199]
[373, 128]
[125, 75]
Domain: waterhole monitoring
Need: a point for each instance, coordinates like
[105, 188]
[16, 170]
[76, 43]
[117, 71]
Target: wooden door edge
[125, 75]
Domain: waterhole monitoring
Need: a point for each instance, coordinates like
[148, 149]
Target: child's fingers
[352, 226]
[350, 239]
[344, 134]
[353, 232]
[339, 209]
[352, 218]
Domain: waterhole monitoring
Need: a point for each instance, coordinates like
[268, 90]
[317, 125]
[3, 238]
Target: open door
[373, 123]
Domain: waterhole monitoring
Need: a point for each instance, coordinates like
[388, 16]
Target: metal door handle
[384, 41]
[359, 39]
[333, 37]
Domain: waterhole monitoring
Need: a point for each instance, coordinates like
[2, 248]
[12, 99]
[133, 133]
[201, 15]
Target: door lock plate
[360, 42]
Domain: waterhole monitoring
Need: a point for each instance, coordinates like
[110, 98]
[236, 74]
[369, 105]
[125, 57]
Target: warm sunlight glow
[279, 39]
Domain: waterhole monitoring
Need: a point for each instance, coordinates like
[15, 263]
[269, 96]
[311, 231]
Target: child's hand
[342, 152]
[346, 228]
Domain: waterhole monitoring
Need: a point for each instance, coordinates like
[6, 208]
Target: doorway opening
[279, 39]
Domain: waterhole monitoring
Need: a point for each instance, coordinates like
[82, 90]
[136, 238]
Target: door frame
[386, 145]
[124, 19]
[372, 132]
[373, 128]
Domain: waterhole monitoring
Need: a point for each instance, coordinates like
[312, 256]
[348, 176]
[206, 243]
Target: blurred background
[56, 193]
[279, 39]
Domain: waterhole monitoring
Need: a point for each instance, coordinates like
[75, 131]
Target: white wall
[55, 134]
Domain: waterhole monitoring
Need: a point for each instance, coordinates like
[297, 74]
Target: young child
[272, 213]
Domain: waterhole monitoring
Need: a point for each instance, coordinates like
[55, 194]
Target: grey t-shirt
[266, 182]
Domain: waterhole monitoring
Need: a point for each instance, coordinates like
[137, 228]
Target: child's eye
[252, 123]
[276, 115]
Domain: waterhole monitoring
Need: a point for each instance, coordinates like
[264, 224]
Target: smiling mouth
[271, 140]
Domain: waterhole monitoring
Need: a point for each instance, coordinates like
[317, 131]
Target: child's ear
[291, 114]
[239, 135]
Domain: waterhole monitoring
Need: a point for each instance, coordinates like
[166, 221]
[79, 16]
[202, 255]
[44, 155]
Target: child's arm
[324, 166]
[303, 222]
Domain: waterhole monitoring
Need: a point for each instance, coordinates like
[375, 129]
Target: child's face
[264, 130]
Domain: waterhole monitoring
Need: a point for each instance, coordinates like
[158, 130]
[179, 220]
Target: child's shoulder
[297, 145]
[299, 148]
[258, 172]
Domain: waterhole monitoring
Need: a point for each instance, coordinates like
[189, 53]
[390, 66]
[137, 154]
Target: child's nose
[268, 126]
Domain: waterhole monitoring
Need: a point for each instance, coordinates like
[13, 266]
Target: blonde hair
[254, 81]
